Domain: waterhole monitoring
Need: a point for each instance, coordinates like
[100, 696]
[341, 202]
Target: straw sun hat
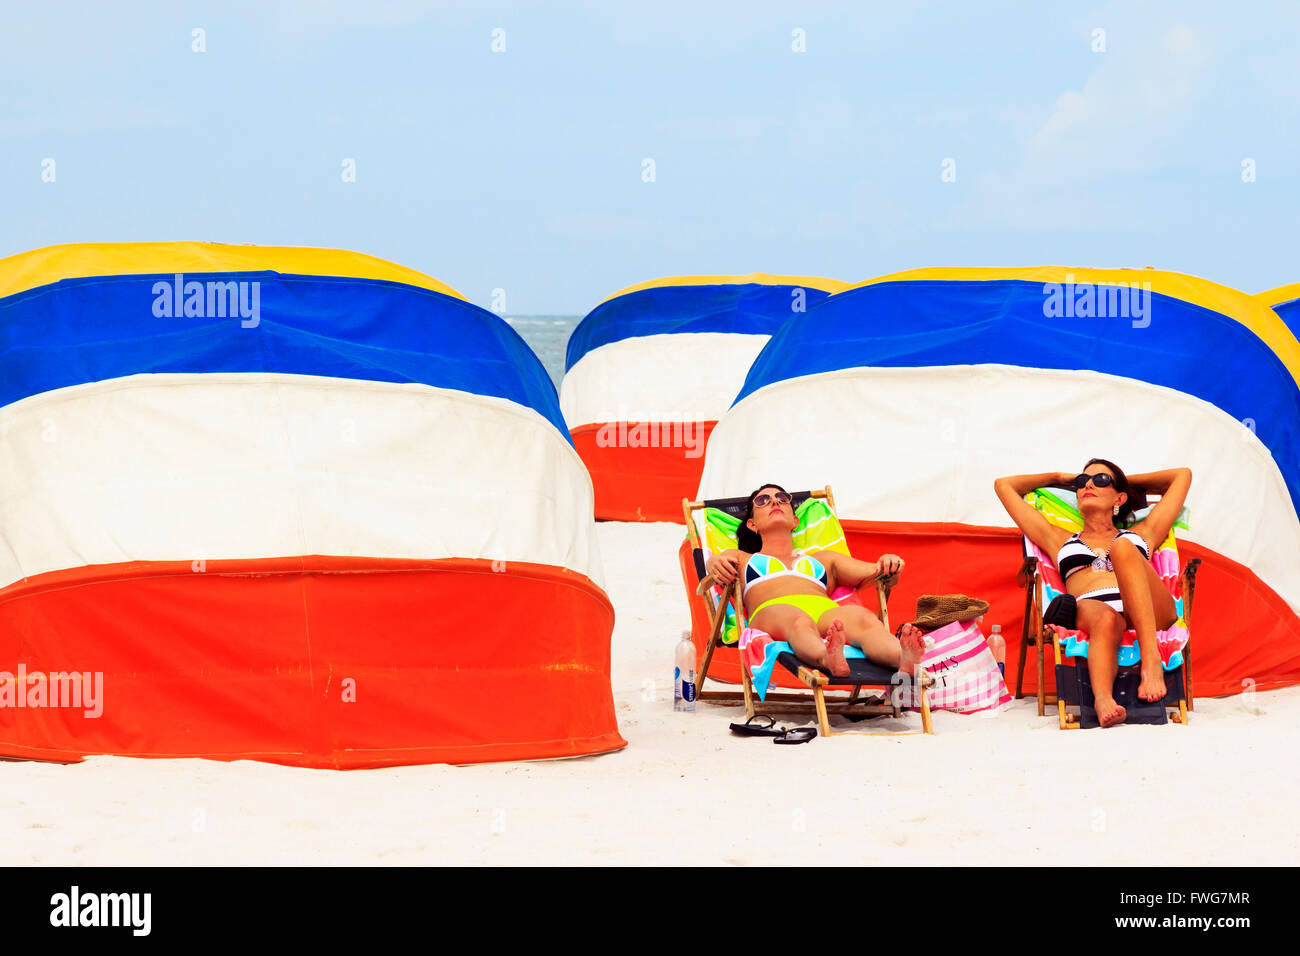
[933, 611]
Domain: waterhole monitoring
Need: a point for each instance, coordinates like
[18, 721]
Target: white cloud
[1123, 118]
[1071, 110]
[1130, 118]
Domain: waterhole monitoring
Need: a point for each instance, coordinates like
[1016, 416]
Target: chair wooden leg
[1042, 693]
[1065, 721]
[1189, 596]
[748, 689]
[823, 720]
[716, 619]
[926, 725]
[1026, 628]
[708, 659]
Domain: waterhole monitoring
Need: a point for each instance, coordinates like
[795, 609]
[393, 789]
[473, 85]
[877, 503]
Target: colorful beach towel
[819, 529]
[1170, 642]
[760, 652]
[1061, 509]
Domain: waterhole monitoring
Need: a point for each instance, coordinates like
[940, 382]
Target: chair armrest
[1028, 571]
[884, 584]
[883, 581]
[886, 581]
[711, 582]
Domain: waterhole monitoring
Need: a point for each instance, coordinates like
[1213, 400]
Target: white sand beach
[1007, 789]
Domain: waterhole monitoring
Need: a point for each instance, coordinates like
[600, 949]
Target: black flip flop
[779, 735]
[750, 729]
[796, 735]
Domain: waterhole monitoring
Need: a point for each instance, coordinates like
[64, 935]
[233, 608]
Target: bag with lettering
[966, 675]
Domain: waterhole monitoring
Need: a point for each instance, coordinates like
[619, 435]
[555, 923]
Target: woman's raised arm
[1011, 492]
[1172, 485]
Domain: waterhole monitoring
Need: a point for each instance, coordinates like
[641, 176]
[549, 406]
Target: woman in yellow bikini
[786, 593]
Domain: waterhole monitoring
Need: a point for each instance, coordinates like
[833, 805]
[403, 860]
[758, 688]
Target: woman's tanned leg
[1161, 600]
[865, 631]
[1139, 608]
[1104, 627]
[789, 624]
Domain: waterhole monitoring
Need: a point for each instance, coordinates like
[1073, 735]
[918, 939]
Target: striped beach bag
[966, 675]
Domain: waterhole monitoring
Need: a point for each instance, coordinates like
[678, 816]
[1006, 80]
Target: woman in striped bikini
[1108, 570]
[786, 592]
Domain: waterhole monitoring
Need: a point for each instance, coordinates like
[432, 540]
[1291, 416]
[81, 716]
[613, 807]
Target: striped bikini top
[1075, 555]
[762, 567]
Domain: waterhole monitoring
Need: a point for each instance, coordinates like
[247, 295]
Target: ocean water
[547, 335]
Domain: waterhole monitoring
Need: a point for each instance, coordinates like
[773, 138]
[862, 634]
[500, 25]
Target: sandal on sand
[796, 735]
[779, 735]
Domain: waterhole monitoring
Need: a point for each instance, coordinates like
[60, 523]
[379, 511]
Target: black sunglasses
[781, 497]
[1101, 480]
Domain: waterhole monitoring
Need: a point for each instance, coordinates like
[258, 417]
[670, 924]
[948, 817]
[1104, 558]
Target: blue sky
[522, 170]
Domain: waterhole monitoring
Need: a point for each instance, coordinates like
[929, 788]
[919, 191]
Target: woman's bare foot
[1152, 686]
[838, 665]
[912, 639]
[1110, 713]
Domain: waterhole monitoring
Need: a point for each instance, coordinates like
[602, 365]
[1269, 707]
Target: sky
[603, 144]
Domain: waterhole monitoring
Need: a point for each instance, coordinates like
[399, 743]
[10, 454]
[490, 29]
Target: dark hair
[747, 540]
[1137, 498]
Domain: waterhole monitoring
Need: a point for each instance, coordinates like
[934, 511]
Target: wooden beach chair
[1042, 583]
[711, 527]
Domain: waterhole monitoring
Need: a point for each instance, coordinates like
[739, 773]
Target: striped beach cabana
[296, 505]
[651, 369]
[911, 393]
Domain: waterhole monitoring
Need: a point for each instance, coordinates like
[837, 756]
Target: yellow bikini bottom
[814, 605]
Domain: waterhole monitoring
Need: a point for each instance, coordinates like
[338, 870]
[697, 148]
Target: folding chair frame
[816, 681]
[1035, 633]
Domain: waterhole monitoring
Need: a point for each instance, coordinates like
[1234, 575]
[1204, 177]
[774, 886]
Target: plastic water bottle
[999, 648]
[684, 674]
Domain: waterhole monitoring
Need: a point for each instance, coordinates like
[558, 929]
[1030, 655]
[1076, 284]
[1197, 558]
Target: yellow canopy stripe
[30, 270]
